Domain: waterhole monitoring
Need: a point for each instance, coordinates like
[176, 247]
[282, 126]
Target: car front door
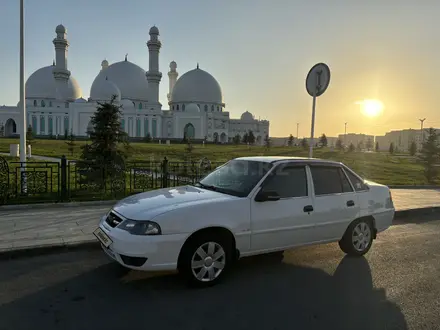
[283, 222]
[335, 202]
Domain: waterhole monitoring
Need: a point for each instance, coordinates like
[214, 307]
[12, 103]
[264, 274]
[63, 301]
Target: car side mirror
[267, 196]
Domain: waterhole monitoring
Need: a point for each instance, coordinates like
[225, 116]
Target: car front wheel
[205, 261]
[358, 238]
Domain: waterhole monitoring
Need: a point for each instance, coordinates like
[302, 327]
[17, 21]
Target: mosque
[55, 103]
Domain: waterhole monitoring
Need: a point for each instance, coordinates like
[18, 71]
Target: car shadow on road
[262, 293]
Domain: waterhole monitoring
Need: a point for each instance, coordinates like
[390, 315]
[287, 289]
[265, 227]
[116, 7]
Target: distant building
[356, 139]
[402, 139]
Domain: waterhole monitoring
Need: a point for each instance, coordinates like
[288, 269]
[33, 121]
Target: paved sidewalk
[56, 225]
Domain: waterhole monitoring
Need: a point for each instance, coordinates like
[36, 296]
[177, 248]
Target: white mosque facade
[55, 103]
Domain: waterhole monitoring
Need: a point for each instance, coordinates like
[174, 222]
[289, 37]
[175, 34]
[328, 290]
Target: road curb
[415, 187]
[94, 244]
[55, 205]
[404, 214]
[48, 249]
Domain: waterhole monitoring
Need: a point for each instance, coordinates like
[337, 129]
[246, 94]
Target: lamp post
[345, 134]
[22, 89]
[421, 132]
[22, 125]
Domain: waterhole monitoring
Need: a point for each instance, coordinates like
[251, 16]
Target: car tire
[358, 237]
[205, 260]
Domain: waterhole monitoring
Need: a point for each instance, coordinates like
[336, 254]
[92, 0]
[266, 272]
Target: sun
[371, 107]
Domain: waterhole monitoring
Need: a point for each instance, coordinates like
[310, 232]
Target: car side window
[357, 183]
[288, 181]
[329, 180]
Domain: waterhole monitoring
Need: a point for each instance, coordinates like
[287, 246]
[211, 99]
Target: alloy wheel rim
[361, 236]
[208, 262]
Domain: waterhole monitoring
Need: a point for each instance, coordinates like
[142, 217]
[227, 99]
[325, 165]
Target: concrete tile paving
[70, 225]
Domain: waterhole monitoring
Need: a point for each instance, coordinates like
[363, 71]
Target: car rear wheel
[358, 237]
[205, 261]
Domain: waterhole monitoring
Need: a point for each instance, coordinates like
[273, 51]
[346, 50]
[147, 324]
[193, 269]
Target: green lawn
[379, 167]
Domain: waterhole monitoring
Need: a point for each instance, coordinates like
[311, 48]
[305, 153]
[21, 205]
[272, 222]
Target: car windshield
[237, 177]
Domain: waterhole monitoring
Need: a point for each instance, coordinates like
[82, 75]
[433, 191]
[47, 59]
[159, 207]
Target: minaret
[61, 44]
[172, 77]
[153, 74]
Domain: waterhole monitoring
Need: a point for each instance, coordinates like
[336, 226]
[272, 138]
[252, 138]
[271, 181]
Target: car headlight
[140, 227]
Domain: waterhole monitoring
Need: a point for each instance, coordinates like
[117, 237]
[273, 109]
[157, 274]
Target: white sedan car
[249, 206]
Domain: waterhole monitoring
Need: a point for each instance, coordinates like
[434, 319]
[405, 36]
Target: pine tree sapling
[102, 158]
[267, 141]
[245, 138]
[430, 156]
[339, 145]
[304, 144]
[71, 143]
[413, 148]
[391, 149]
[30, 136]
[351, 147]
[251, 137]
[290, 141]
[236, 139]
[323, 141]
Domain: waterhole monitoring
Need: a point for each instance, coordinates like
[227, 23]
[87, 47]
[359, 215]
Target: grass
[381, 167]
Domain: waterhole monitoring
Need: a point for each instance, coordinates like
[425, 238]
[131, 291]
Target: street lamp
[345, 135]
[22, 102]
[421, 132]
[22, 90]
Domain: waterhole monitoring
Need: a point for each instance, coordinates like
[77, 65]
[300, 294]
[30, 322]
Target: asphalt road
[397, 286]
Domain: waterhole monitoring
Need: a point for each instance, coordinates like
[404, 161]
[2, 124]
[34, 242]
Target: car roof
[274, 159]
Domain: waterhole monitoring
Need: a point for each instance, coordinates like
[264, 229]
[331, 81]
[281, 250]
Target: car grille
[113, 220]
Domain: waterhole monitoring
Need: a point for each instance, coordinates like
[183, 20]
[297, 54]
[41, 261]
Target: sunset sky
[259, 51]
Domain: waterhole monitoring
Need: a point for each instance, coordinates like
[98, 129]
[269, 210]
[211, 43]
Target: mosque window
[43, 104]
[123, 124]
[50, 104]
[177, 107]
[173, 107]
[212, 107]
[206, 107]
[218, 108]
[66, 105]
[183, 107]
[35, 103]
[140, 106]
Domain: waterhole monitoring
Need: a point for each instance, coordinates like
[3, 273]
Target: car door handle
[350, 203]
[308, 208]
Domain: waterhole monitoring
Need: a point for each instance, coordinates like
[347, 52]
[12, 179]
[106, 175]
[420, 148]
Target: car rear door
[335, 202]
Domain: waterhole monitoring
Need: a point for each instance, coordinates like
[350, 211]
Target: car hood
[147, 205]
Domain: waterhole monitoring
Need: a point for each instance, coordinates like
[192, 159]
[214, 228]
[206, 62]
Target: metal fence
[40, 181]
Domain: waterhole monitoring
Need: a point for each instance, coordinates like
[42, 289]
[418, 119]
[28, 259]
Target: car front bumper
[150, 253]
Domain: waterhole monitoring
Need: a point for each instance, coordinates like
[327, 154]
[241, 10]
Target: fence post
[165, 173]
[63, 170]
